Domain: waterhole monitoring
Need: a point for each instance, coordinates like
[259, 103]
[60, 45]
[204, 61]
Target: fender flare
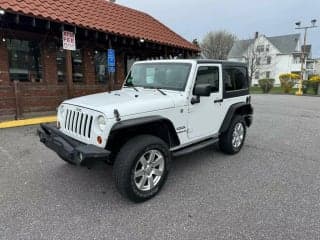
[138, 122]
[244, 109]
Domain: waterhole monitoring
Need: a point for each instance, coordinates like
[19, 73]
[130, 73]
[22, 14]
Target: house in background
[268, 57]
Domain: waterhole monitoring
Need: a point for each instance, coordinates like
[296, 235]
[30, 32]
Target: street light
[2, 12]
[303, 52]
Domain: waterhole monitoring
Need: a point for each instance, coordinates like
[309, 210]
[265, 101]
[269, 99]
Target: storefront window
[24, 60]
[61, 65]
[100, 63]
[77, 68]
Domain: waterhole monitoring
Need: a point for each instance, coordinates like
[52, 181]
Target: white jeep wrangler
[166, 108]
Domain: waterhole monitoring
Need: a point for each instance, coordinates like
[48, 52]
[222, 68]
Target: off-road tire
[125, 163]
[225, 142]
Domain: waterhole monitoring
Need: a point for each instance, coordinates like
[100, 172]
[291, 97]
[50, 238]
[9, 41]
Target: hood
[128, 101]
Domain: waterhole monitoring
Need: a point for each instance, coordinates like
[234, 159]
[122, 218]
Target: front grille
[78, 123]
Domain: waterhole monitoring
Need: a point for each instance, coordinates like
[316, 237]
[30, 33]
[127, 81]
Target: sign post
[69, 44]
[111, 65]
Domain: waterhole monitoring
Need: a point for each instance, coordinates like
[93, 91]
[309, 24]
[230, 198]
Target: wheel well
[242, 109]
[162, 128]
[245, 111]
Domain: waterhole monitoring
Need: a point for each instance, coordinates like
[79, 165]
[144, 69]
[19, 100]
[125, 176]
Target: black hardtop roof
[223, 62]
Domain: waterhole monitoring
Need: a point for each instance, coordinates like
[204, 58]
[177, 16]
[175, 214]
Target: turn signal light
[99, 139]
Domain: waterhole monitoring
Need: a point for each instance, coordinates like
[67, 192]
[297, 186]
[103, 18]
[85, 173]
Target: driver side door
[204, 117]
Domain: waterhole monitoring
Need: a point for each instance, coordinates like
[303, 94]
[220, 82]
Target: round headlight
[61, 109]
[101, 122]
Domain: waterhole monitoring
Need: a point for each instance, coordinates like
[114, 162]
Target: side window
[235, 78]
[208, 75]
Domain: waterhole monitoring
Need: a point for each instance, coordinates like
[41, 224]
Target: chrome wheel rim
[149, 170]
[237, 135]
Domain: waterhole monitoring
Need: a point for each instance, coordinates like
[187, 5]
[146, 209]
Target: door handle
[218, 100]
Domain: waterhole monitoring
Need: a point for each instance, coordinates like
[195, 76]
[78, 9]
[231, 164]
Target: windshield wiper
[162, 92]
[158, 89]
[131, 86]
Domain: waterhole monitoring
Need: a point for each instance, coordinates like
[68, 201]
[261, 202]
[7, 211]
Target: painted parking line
[26, 122]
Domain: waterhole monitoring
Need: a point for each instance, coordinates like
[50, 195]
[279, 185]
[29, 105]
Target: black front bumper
[68, 148]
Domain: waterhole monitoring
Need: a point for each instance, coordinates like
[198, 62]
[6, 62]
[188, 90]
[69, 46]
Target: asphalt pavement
[270, 190]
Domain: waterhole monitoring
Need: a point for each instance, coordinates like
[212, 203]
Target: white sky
[193, 19]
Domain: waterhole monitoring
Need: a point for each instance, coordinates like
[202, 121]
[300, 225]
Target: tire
[137, 178]
[229, 143]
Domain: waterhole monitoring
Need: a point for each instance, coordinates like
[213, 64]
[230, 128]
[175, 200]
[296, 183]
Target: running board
[194, 147]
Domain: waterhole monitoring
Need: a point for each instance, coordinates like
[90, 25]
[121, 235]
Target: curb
[27, 122]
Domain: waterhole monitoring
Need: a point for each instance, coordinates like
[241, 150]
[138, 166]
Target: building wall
[317, 66]
[48, 94]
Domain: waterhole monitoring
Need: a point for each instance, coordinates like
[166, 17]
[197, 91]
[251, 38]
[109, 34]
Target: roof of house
[286, 44]
[239, 47]
[99, 15]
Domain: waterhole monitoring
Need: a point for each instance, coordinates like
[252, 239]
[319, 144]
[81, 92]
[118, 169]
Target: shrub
[266, 84]
[305, 86]
[288, 80]
[315, 83]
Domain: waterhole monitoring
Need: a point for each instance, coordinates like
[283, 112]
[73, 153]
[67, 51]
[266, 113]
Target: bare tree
[253, 60]
[251, 56]
[216, 45]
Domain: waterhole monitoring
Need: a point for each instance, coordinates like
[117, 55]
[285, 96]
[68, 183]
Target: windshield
[172, 76]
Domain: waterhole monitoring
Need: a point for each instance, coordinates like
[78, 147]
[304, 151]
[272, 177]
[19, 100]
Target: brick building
[36, 73]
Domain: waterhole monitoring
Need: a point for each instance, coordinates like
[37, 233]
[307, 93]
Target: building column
[120, 69]
[165, 52]
[69, 77]
[50, 63]
[4, 64]
[88, 66]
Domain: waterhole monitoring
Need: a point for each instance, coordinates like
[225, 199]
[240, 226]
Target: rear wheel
[141, 167]
[232, 140]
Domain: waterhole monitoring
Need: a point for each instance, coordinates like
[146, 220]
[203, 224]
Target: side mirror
[202, 90]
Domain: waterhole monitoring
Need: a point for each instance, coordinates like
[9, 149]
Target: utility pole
[303, 52]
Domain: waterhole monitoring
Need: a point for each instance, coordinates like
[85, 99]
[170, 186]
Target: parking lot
[270, 190]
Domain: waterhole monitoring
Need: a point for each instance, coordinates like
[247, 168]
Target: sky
[193, 19]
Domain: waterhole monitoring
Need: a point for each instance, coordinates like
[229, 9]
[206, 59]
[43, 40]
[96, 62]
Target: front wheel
[141, 167]
[232, 140]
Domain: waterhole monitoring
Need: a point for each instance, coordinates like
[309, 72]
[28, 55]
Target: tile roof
[99, 15]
